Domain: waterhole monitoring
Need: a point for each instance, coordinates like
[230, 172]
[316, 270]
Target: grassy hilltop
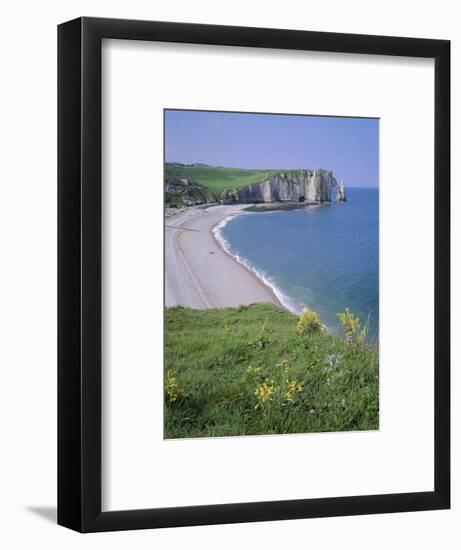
[259, 370]
[215, 178]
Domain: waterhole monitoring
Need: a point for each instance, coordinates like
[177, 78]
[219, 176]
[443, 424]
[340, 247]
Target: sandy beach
[198, 272]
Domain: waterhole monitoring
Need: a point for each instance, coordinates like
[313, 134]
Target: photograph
[271, 274]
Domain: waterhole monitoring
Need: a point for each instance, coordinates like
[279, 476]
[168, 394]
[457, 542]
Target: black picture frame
[79, 274]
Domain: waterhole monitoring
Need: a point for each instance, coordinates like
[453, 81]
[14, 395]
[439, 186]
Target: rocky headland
[310, 186]
[206, 185]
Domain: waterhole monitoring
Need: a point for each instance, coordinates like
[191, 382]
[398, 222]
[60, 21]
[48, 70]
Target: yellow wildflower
[266, 390]
[253, 370]
[171, 386]
[293, 387]
[353, 329]
[309, 321]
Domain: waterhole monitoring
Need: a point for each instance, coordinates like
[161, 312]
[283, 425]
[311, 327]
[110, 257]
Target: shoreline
[278, 295]
[199, 272]
[250, 270]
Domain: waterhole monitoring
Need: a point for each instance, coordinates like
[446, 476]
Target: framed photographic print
[253, 274]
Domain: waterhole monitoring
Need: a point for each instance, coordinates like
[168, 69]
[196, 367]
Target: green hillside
[215, 178]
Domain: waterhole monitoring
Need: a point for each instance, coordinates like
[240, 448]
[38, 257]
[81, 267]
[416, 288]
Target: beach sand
[198, 272]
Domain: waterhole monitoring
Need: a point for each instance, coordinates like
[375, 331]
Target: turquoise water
[322, 257]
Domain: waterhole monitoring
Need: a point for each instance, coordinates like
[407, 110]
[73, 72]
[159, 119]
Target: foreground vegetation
[260, 370]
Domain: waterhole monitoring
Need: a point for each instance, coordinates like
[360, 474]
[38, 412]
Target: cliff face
[340, 192]
[295, 185]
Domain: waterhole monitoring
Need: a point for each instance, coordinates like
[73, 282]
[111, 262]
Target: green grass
[215, 178]
[216, 359]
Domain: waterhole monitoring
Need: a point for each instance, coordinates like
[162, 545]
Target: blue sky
[348, 146]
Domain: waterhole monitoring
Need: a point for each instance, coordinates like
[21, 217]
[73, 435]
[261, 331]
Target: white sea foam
[289, 303]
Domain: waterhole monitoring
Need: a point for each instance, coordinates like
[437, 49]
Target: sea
[324, 257]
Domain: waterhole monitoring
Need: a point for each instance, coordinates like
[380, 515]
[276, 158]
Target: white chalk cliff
[308, 186]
